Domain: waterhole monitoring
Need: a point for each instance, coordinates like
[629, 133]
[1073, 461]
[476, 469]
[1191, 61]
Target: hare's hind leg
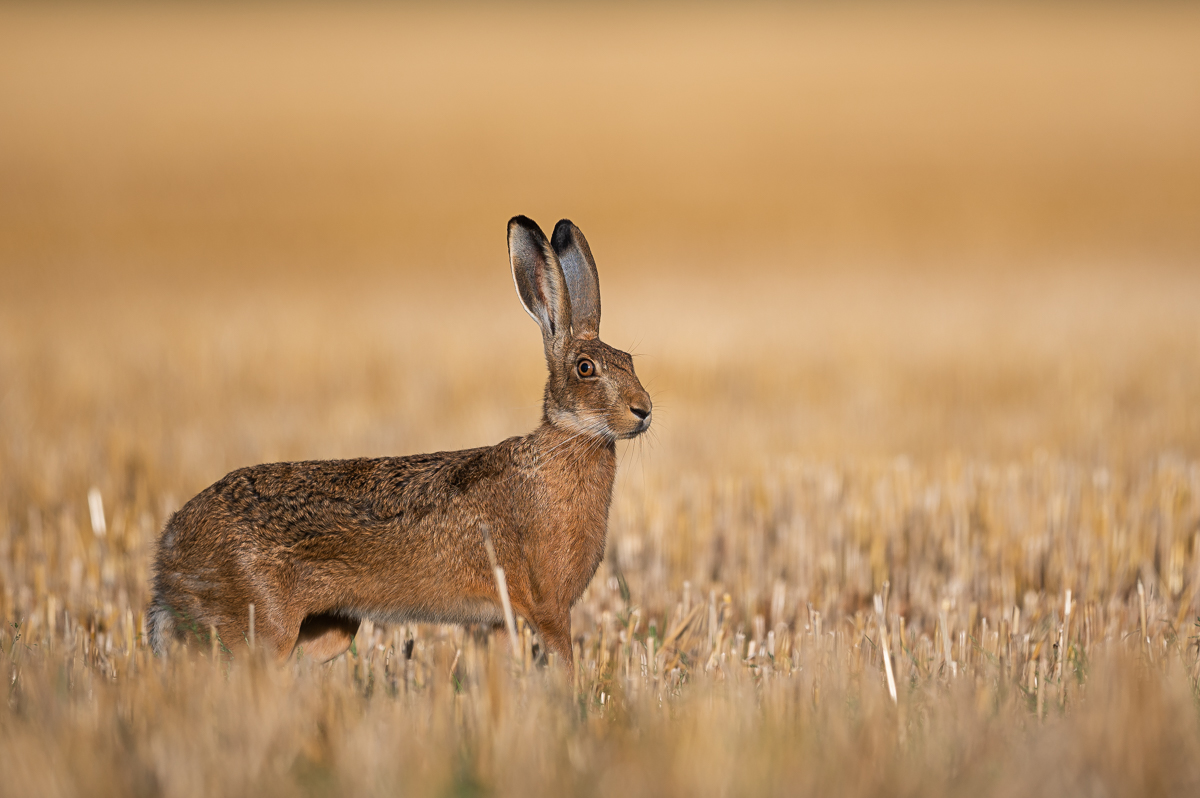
[323, 637]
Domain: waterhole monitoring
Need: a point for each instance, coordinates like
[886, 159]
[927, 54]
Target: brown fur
[318, 546]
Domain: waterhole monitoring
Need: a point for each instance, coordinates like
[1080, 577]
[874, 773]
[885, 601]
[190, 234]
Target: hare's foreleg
[554, 627]
[549, 620]
[551, 634]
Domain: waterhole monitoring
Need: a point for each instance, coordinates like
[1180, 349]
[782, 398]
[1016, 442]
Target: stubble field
[914, 289]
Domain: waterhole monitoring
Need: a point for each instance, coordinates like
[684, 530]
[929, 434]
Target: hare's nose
[640, 412]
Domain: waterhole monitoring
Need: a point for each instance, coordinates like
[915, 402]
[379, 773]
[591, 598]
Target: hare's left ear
[540, 281]
[583, 281]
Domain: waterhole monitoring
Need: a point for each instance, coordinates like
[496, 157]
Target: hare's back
[283, 504]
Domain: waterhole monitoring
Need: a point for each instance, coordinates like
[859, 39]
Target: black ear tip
[564, 231]
[528, 226]
[525, 223]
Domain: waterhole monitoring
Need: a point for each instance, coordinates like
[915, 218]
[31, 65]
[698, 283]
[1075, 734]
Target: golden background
[915, 288]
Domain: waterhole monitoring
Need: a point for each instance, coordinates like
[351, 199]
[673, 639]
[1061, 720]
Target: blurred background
[376, 135]
[914, 287]
[233, 232]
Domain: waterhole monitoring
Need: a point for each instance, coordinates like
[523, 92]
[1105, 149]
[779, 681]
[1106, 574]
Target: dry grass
[955, 364]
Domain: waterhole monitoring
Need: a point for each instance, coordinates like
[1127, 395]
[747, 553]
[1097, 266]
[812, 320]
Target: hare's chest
[576, 523]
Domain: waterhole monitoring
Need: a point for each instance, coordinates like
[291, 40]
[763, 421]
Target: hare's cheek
[612, 400]
[590, 393]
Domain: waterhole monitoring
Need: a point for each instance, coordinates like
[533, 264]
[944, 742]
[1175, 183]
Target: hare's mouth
[641, 426]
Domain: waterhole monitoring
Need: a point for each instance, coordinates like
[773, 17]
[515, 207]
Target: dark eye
[586, 368]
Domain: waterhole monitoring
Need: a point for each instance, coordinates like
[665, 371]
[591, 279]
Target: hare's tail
[160, 625]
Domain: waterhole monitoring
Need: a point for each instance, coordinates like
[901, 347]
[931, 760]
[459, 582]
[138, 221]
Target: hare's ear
[539, 279]
[583, 281]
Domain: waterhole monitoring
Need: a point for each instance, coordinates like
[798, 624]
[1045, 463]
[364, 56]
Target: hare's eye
[586, 368]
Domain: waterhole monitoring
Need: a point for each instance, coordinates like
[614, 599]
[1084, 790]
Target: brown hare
[318, 546]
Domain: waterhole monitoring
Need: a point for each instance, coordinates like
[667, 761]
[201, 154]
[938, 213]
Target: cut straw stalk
[96, 513]
[1142, 617]
[880, 610]
[1041, 688]
[1062, 655]
[947, 658]
[510, 623]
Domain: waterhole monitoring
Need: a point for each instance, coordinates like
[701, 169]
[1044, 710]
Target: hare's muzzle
[641, 408]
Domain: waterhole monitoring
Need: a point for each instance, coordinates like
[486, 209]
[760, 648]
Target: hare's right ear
[583, 281]
[540, 281]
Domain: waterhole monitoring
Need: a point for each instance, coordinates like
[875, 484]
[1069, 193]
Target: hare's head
[592, 388]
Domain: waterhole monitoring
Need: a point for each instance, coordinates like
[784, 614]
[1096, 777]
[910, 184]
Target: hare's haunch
[316, 547]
